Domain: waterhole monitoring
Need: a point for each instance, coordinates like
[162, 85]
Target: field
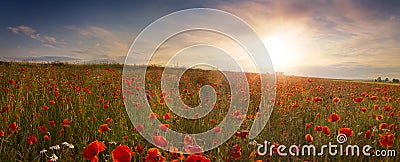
[76, 112]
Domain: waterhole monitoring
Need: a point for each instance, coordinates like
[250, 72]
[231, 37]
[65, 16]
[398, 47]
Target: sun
[281, 50]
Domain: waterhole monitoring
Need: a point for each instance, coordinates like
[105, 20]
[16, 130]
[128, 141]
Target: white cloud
[32, 33]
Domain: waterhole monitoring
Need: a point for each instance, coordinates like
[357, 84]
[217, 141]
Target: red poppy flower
[164, 127]
[333, 118]
[368, 134]
[392, 127]
[108, 120]
[153, 116]
[317, 99]
[188, 140]
[326, 130]
[32, 140]
[139, 127]
[13, 127]
[160, 141]
[175, 153]
[193, 149]
[383, 126]
[46, 137]
[66, 122]
[379, 117]
[167, 116]
[236, 152]
[197, 158]
[336, 99]
[139, 148]
[387, 140]
[52, 123]
[154, 155]
[217, 130]
[103, 128]
[1, 133]
[242, 134]
[318, 128]
[92, 150]
[308, 125]
[346, 131]
[358, 99]
[122, 153]
[42, 129]
[373, 98]
[309, 138]
[363, 109]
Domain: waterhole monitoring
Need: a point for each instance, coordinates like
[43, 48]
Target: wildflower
[363, 109]
[318, 128]
[52, 123]
[153, 116]
[154, 155]
[32, 140]
[197, 158]
[108, 120]
[92, 150]
[358, 99]
[68, 145]
[326, 130]
[164, 127]
[139, 148]
[42, 129]
[387, 140]
[55, 147]
[188, 140]
[103, 128]
[54, 157]
[122, 153]
[193, 149]
[346, 131]
[333, 118]
[139, 127]
[309, 138]
[13, 127]
[42, 151]
[160, 141]
[167, 116]
[368, 134]
[336, 99]
[236, 152]
[242, 134]
[217, 130]
[382, 126]
[46, 137]
[66, 122]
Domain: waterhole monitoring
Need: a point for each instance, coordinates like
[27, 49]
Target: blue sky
[323, 38]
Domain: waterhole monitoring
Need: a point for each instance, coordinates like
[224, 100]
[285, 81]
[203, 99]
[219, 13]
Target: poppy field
[63, 112]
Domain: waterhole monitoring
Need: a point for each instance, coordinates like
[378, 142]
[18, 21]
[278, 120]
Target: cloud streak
[32, 33]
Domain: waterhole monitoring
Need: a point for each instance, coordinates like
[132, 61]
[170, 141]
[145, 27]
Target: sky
[349, 39]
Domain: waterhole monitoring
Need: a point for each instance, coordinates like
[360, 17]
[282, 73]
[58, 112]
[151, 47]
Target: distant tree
[379, 79]
[396, 80]
[387, 80]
